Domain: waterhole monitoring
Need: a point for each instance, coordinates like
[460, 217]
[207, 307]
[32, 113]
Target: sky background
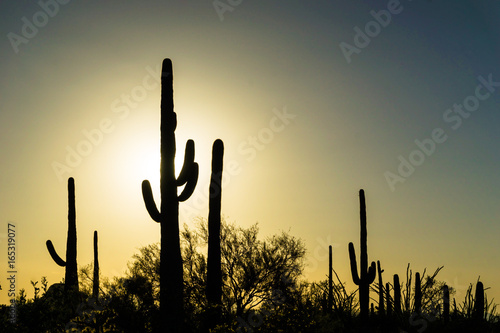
[92, 67]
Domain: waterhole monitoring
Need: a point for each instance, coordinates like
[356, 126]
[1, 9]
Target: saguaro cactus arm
[370, 277]
[187, 167]
[147, 194]
[190, 184]
[354, 264]
[54, 254]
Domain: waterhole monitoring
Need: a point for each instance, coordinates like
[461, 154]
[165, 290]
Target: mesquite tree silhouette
[171, 279]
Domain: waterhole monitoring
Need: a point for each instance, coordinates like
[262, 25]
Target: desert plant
[171, 279]
[446, 304]
[71, 273]
[381, 309]
[367, 274]
[330, 280]
[397, 295]
[478, 312]
[214, 271]
[95, 285]
[417, 307]
[388, 299]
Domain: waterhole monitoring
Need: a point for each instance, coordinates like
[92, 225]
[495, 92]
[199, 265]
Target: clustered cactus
[171, 270]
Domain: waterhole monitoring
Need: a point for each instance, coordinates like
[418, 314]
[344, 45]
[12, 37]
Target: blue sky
[304, 129]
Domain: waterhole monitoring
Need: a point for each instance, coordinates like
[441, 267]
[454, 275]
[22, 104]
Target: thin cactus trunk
[330, 279]
[388, 300]
[397, 295]
[446, 304]
[71, 272]
[418, 294]
[381, 309]
[171, 272]
[367, 274]
[214, 271]
[95, 285]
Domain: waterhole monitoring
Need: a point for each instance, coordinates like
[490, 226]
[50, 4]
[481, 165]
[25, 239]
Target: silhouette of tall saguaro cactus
[214, 271]
[367, 275]
[171, 279]
[95, 285]
[71, 273]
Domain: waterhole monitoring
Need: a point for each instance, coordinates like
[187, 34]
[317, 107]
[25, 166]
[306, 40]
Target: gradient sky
[304, 127]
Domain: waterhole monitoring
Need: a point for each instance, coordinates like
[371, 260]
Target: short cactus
[367, 275]
[71, 273]
[388, 299]
[397, 295]
[418, 294]
[478, 312]
[446, 304]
